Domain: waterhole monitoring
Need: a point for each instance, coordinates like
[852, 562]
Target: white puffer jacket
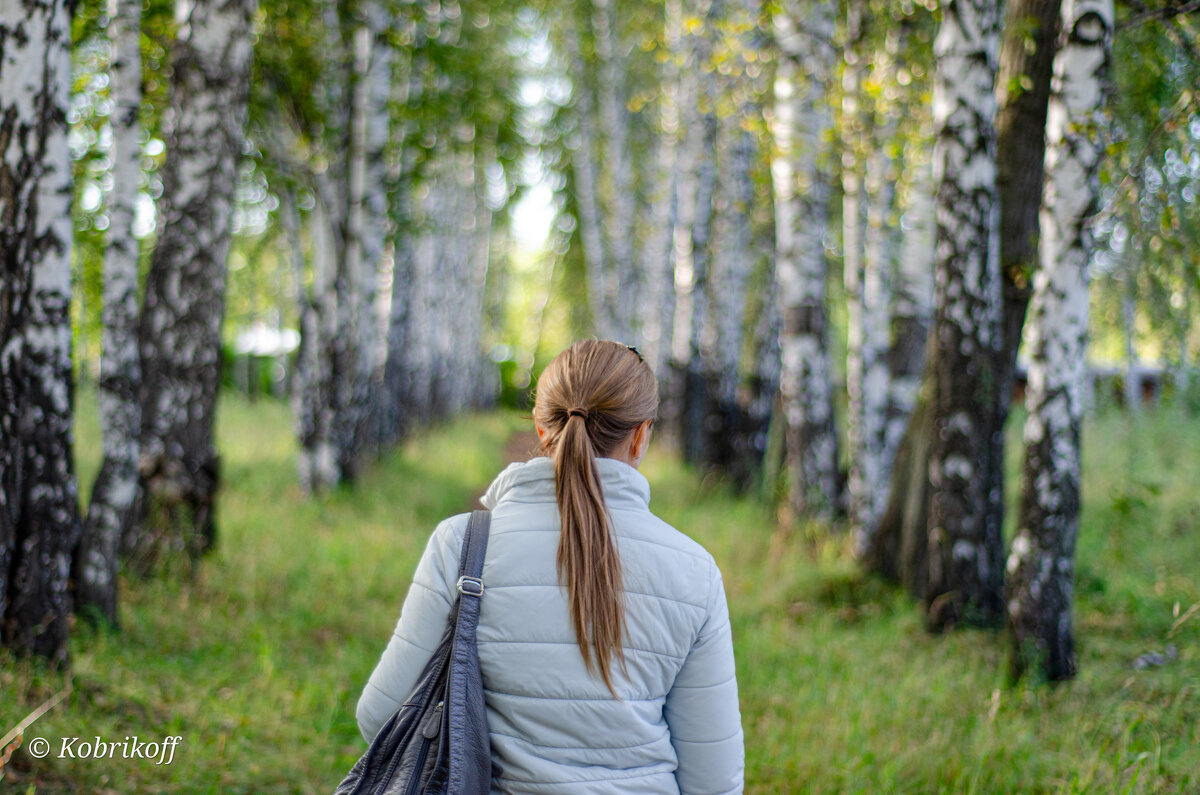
[554, 727]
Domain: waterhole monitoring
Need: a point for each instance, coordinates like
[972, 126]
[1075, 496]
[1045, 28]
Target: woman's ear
[541, 432]
[641, 440]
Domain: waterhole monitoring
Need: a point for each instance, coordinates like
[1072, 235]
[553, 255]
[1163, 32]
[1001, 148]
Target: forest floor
[257, 659]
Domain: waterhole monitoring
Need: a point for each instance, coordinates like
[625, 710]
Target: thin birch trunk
[587, 184]
[180, 328]
[318, 459]
[658, 305]
[356, 282]
[911, 305]
[39, 507]
[622, 281]
[115, 489]
[879, 177]
[398, 365]
[1042, 563]
[965, 548]
[1133, 376]
[801, 126]
[857, 436]
[697, 371]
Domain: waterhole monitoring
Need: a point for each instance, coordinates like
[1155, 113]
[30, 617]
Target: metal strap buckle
[477, 586]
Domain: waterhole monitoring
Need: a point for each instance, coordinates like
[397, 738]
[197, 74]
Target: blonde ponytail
[589, 400]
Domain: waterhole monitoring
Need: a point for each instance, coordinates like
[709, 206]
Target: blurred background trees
[820, 223]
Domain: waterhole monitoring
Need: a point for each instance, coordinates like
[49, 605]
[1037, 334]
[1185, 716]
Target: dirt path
[521, 446]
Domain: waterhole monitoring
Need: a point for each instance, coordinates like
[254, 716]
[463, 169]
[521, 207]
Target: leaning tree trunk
[802, 123]
[1042, 564]
[180, 330]
[1022, 94]
[95, 567]
[965, 546]
[39, 509]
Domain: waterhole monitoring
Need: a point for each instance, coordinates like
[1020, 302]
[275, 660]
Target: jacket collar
[533, 481]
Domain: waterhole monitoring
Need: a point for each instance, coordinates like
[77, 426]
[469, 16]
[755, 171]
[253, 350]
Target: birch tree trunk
[1133, 377]
[658, 262]
[398, 363]
[965, 547]
[801, 125]
[355, 282]
[39, 509]
[120, 372]
[180, 329]
[696, 372]
[911, 306]
[693, 51]
[621, 278]
[1020, 132]
[894, 545]
[1042, 563]
[587, 183]
[1022, 95]
[858, 437]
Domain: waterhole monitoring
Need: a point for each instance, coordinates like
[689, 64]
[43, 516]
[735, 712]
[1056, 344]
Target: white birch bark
[39, 513]
[377, 227]
[965, 553]
[180, 328]
[398, 365]
[858, 437]
[658, 266]
[911, 306]
[621, 280]
[482, 381]
[732, 260]
[879, 242]
[1133, 375]
[584, 156]
[120, 371]
[801, 126]
[1042, 562]
[318, 459]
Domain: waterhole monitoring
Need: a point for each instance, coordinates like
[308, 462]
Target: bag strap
[474, 549]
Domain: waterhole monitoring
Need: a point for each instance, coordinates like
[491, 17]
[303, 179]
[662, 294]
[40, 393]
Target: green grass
[258, 661]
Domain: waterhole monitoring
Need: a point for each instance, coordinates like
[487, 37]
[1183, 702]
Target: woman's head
[595, 399]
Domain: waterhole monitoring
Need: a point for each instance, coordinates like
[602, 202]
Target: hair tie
[578, 411]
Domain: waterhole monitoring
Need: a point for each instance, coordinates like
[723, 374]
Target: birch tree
[120, 371]
[658, 258]
[800, 126]
[866, 307]
[179, 331]
[620, 277]
[39, 512]
[1042, 562]
[899, 545]
[965, 551]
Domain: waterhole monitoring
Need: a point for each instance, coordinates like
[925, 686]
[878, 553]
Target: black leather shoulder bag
[437, 741]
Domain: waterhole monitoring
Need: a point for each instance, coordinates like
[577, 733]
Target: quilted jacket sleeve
[422, 622]
[701, 709]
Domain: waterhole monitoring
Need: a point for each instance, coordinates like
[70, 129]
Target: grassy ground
[257, 662]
